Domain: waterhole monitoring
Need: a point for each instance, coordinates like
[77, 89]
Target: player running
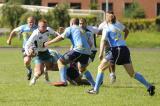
[79, 54]
[37, 40]
[25, 31]
[119, 55]
[104, 25]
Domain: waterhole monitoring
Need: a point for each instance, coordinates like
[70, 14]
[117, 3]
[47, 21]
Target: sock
[141, 79]
[99, 80]
[89, 78]
[63, 75]
[111, 74]
[29, 70]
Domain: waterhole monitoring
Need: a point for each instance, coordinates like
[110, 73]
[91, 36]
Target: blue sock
[63, 75]
[99, 80]
[89, 78]
[141, 79]
[29, 70]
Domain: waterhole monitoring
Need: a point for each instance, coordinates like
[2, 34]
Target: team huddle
[73, 64]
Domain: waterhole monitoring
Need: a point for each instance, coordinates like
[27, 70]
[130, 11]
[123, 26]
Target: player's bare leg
[27, 61]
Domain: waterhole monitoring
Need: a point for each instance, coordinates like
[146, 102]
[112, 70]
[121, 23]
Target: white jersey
[37, 39]
[94, 30]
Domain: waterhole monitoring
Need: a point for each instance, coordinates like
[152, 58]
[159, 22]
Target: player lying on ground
[73, 75]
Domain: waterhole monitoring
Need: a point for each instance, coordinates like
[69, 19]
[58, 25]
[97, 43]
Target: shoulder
[35, 32]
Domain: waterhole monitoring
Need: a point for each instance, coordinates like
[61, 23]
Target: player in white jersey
[25, 32]
[104, 25]
[37, 40]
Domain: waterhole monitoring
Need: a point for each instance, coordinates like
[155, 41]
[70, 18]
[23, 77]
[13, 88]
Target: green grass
[137, 39]
[15, 91]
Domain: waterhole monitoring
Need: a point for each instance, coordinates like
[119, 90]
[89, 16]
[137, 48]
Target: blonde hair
[43, 21]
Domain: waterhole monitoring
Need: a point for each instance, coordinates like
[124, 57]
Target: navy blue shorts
[120, 55]
[93, 54]
[73, 56]
[72, 72]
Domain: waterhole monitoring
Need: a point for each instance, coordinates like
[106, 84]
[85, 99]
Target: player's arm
[123, 28]
[30, 43]
[58, 38]
[102, 47]
[90, 41]
[52, 32]
[126, 32]
[12, 34]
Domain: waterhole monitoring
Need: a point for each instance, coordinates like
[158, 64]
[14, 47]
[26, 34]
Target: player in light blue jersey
[104, 25]
[119, 55]
[25, 31]
[80, 52]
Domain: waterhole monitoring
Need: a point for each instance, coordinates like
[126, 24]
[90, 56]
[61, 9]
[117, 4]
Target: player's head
[108, 13]
[82, 22]
[74, 21]
[42, 25]
[31, 21]
[112, 18]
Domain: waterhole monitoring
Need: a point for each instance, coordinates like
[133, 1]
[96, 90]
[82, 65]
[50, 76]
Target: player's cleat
[29, 74]
[151, 90]
[59, 84]
[92, 91]
[32, 82]
[112, 78]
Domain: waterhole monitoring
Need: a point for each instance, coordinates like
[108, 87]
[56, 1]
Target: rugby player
[25, 32]
[119, 55]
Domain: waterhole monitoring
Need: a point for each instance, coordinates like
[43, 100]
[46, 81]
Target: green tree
[58, 16]
[134, 11]
[36, 14]
[10, 15]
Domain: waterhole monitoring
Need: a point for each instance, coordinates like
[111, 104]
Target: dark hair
[110, 12]
[83, 19]
[113, 20]
[75, 21]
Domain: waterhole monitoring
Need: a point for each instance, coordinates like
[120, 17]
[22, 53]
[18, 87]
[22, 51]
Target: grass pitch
[15, 91]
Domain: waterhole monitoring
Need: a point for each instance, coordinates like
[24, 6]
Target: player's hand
[31, 53]
[46, 44]
[9, 42]
[100, 57]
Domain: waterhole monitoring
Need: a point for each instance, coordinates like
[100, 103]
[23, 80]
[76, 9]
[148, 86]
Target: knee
[37, 72]
[100, 69]
[60, 63]
[27, 61]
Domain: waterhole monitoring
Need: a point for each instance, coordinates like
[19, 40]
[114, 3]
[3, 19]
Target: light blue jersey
[79, 39]
[112, 34]
[25, 32]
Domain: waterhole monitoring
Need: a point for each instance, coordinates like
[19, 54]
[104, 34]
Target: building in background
[151, 7]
